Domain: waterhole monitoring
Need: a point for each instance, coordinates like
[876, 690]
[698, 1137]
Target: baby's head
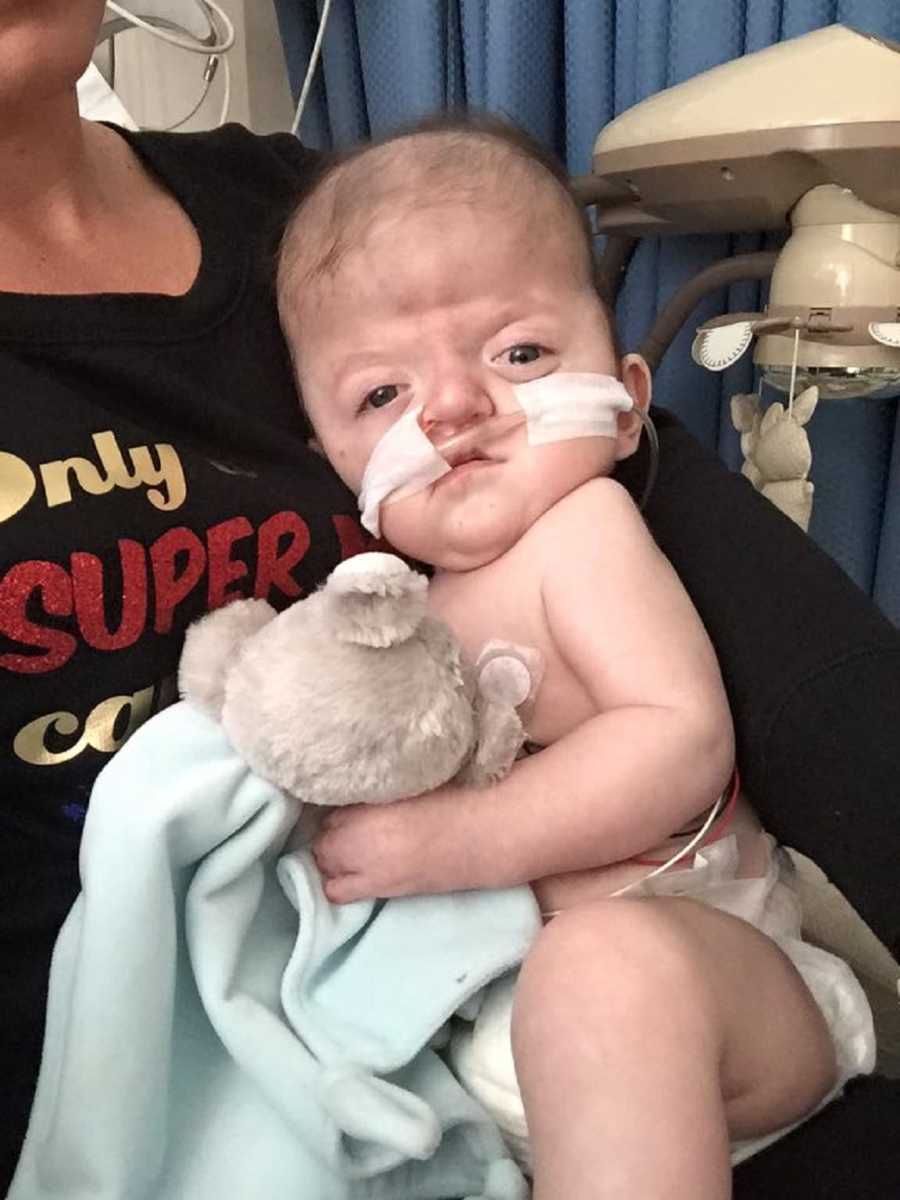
[441, 270]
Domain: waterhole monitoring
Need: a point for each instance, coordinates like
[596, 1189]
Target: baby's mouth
[462, 457]
[463, 464]
[479, 442]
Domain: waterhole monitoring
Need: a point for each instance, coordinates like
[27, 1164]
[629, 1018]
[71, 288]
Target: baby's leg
[647, 1033]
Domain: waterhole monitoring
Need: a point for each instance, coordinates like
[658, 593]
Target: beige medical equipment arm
[738, 147]
[804, 134]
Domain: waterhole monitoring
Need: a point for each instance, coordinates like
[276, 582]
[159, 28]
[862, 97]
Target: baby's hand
[406, 848]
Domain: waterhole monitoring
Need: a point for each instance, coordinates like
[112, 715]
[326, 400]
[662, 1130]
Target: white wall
[159, 84]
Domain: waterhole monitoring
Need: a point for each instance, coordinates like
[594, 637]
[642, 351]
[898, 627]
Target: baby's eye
[381, 396]
[521, 356]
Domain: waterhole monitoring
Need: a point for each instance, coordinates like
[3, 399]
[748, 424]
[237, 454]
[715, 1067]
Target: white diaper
[481, 1053]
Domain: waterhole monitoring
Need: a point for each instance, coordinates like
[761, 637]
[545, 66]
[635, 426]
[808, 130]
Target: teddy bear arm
[500, 737]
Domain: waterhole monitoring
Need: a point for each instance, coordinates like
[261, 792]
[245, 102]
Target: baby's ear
[639, 385]
[210, 649]
[375, 600]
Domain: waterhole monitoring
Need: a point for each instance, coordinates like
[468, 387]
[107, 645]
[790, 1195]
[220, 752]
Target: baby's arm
[659, 750]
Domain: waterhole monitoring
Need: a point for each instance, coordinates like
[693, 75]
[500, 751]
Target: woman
[154, 463]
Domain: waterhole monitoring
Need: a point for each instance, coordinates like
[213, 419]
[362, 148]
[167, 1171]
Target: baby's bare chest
[501, 603]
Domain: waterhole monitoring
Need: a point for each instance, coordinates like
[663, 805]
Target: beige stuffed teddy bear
[354, 694]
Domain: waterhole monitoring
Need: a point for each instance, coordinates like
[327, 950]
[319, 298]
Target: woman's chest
[119, 525]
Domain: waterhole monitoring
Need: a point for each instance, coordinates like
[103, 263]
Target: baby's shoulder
[574, 542]
[598, 506]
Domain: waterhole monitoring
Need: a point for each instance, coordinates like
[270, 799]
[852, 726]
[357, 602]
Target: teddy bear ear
[375, 600]
[210, 648]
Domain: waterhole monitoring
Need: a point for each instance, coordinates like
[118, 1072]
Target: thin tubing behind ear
[653, 466]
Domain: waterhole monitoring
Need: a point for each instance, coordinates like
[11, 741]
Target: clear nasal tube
[408, 458]
[458, 447]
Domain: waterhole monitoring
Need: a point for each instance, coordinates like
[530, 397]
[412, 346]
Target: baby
[429, 285]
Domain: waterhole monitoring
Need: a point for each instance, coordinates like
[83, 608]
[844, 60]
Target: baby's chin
[464, 548]
[460, 559]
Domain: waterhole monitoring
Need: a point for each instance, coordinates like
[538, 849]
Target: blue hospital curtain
[563, 69]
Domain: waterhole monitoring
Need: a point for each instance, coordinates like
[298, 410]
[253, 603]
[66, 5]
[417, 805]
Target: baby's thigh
[777, 1053]
[696, 984]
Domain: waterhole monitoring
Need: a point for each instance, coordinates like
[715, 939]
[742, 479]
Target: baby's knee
[615, 963]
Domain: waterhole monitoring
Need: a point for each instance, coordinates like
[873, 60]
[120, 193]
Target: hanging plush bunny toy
[777, 454]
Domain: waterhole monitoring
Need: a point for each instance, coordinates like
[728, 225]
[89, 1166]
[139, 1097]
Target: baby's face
[446, 310]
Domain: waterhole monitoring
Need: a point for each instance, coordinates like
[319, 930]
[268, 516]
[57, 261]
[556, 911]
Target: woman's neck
[49, 166]
[62, 183]
[71, 189]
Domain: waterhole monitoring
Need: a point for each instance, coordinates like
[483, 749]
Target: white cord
[215, 52]
[226, 91]
[195, 45]
[670, 862]
[794, 372]
[685, 850]
[311, 69]
[208, 75]
[184, 120]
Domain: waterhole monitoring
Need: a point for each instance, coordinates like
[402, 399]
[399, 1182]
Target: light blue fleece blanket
[217, 1030]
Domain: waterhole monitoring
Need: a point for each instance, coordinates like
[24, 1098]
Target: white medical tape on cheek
[557, 408]
[572, 405]
[403, 459]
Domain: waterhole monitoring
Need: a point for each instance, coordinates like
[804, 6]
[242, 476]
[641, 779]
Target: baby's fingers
[337, 848]
[346, 888]
[327, 857]
[334, 818]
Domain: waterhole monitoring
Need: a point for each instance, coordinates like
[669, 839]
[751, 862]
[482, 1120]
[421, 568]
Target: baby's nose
[455, 404]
